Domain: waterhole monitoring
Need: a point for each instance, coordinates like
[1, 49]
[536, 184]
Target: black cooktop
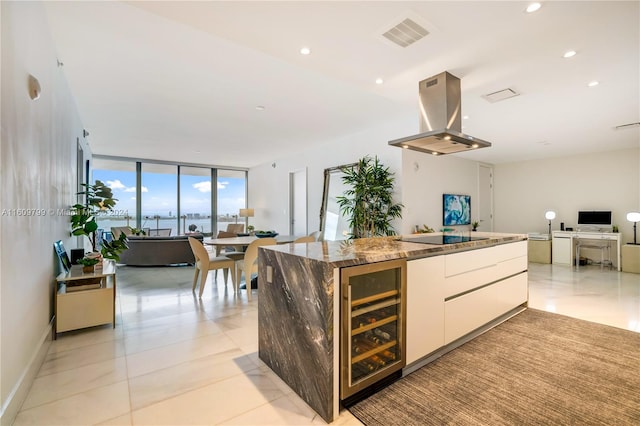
[443, 239]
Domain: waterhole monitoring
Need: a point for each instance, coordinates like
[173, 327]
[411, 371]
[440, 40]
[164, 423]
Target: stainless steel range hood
[440, 119]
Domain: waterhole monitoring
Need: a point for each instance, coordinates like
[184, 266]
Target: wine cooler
[373, 324]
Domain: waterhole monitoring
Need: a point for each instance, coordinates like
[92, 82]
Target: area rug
[537, 368]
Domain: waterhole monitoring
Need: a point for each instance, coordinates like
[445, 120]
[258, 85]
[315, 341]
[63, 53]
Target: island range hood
[440, 119]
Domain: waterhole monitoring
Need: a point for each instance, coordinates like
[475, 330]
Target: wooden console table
[84, 306]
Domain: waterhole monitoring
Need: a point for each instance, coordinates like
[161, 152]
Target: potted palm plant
[368, 203]
[98, 200]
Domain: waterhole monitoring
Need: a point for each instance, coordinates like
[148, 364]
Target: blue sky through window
[159, 193]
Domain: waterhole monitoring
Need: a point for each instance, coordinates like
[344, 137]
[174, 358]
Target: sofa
[158, 251]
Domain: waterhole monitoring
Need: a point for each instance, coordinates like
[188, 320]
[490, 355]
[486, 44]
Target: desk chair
[603, 246]
[250, 263]
[206, 262]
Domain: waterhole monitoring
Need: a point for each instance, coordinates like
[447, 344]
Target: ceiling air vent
[405, 33]
[500, 95]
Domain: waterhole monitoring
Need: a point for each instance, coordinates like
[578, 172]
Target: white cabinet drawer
[469, 270]
[84, 308]
[459, 263]
[473, 310]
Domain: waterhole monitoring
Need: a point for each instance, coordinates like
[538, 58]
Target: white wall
[426, 178]
[38, 163]
[602, 181]
[269, 186]
[523, 191]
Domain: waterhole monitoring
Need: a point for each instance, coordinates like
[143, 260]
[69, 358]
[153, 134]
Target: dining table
[244, 241]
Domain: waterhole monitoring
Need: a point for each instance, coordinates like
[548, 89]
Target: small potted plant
[88, 264]
[474, 226]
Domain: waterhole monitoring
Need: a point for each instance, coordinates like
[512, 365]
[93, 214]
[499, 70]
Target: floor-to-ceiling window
[159, 207]
[231, 197]
[195, 200]
[120, 176]
[172, 197]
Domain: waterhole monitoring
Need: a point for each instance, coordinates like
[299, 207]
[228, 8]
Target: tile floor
[176, 360]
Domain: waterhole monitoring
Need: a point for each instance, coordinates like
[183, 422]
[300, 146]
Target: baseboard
[14, 401]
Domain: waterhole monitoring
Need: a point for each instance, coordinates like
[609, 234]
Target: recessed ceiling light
[593, 83]
[533, 7]
[569, 53]
[379, 81]
[260, 108]
[305, 51]
[465, 117]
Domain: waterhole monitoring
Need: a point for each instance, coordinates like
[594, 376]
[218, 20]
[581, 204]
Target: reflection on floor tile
[176, 359]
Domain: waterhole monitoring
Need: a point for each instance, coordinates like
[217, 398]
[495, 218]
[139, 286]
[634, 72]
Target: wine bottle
[382, 334]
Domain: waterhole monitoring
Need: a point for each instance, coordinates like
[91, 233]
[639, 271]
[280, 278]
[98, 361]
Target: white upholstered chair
[206, 262]
[249, 265]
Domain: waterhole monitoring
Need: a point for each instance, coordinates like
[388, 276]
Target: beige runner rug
[537, 368]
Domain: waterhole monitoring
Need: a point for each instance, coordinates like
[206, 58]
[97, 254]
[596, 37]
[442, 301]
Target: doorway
[298, 202]
[485, 198]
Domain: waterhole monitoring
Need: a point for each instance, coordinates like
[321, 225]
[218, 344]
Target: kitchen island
[452, 291]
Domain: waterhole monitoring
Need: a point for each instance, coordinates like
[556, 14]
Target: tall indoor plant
[98, 200]
[368, 203]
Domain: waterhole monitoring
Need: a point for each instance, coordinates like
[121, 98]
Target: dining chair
[250, 263]
[307, 239]
[206, 262]
[236, 228]
[234, 253]
[315, 235]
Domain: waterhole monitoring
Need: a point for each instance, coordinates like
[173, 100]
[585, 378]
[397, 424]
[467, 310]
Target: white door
[485, 198]
[298, 202]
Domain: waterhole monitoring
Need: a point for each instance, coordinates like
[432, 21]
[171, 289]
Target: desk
[564, 244]
[85, 308]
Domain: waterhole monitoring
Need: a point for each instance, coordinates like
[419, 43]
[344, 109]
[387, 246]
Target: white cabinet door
[561, 251]
[425, 306]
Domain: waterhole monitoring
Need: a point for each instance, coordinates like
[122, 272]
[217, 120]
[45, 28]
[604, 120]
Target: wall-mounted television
[602, 218]
[456, 209]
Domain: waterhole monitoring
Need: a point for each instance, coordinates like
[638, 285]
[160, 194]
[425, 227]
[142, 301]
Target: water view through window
[173, 198]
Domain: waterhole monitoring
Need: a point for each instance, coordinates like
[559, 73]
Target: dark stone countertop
[370, 250]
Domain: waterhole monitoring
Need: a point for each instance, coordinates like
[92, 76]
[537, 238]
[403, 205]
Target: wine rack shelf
[373, 324]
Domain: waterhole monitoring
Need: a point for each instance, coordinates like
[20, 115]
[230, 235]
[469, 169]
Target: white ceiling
[180, 81]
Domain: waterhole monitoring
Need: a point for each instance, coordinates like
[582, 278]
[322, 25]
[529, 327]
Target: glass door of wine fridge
[373, 324]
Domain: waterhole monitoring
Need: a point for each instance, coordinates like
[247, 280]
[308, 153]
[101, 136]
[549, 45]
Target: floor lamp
[635, 218]
[246, 213]
[550, 215]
